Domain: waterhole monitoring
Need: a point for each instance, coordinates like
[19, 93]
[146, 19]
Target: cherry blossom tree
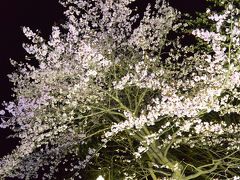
[111, 97]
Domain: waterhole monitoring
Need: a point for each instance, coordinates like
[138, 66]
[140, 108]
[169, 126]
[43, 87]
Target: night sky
[38, 14]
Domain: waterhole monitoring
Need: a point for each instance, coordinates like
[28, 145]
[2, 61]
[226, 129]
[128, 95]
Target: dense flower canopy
[105, 93]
